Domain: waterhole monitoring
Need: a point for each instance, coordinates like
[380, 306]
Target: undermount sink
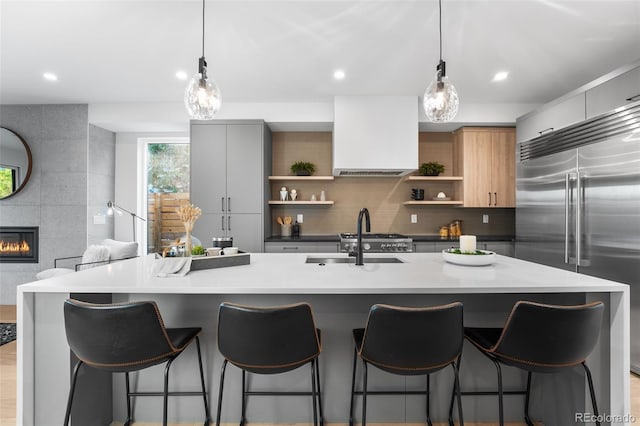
[325, 260]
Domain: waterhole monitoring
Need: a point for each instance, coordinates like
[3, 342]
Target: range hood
[375, 135]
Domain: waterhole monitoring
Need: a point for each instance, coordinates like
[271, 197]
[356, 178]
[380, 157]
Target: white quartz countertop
[289, 274]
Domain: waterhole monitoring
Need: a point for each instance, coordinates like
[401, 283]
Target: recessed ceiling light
[502, 75]
[339, 75]
[50, 76]
[181, 75]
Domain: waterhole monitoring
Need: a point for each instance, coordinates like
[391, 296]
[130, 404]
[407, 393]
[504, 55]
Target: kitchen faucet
[359, 254]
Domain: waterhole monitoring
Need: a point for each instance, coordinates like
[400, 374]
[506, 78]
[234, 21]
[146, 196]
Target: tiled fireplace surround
[72, 178]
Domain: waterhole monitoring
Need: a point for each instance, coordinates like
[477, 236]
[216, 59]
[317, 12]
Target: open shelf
[433, 178]
[301, 177]
[299, 203]
[433, 203]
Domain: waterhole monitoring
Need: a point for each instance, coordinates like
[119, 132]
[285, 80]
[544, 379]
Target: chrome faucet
[359, 252]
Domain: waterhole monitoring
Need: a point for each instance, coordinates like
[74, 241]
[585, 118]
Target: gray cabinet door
[246, 230]
[244, 168]
[208, 226]
[424, 247]
[301, 247]
[562, 114]
[208, 167]
[616, 92]
[504, 248]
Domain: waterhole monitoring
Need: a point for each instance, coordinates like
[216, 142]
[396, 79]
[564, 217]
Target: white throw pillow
[121, 249]
[53, 272]
[95, 253]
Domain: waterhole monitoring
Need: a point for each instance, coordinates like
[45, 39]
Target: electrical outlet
[414, 218]
[485, 218]
[299, 217]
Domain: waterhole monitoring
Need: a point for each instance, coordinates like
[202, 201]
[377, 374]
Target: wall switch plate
[485, 218]
[414, 218]
[99, 219]
[299, 217]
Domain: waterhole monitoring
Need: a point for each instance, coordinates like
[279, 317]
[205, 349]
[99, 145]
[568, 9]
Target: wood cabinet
[551, 118]
[230, 162]
[616, 92]
[486, 158]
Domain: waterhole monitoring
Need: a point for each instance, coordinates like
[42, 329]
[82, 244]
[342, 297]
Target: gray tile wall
[57, 197]
[101, 182]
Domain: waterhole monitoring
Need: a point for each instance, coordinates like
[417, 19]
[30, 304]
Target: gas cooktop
[349, 236]
[376, 243]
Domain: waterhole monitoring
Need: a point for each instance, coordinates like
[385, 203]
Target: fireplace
[18, 244]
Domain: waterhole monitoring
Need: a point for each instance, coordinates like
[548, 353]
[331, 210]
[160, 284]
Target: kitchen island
[340, 295]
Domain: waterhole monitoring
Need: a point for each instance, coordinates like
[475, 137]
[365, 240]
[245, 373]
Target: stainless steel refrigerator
[578, 203]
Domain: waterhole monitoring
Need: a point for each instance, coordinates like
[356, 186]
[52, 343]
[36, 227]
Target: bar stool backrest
[416, 340]
[117, 337]
[550, 336]
[267, 339]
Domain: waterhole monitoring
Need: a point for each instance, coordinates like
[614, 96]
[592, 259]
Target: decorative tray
[220, 261]
[478, 258]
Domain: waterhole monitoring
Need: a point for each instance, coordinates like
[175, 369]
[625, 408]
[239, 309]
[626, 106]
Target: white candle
[467, 243]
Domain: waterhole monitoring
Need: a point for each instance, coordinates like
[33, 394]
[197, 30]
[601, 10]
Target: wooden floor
[8, 388]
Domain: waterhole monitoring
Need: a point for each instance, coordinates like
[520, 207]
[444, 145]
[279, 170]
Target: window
[167, 183]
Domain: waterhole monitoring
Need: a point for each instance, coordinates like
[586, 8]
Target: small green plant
[198, 250]
[303, 168]
[431, 169]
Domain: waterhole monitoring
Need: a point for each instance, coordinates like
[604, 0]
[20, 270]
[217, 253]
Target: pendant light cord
[203, 31]
[440, 25]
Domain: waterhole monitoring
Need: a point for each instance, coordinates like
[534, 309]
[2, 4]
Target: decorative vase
[187, 243]
[303, 173]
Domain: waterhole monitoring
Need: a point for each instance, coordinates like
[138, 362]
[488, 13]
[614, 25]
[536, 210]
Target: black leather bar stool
[540, 338]
[127, 337]
[409, 342]
[269, 340]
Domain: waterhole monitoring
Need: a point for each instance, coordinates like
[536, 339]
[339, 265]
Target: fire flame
[14, 247]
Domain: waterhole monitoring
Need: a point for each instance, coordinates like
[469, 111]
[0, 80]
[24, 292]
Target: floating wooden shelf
[301, 177]
[299, 203]
[433, 178]
[433, 203]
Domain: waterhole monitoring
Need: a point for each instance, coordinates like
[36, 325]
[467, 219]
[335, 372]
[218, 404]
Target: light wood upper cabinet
[486, 160]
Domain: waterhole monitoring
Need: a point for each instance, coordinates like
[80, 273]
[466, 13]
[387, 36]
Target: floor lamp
[111, 206]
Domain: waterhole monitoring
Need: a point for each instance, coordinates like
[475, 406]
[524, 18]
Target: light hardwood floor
[8, 388]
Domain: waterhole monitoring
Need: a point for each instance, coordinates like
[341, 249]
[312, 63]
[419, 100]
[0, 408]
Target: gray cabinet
[230, 162]
[504, 248]
[551, 118]
[301, 247]
[616, 92]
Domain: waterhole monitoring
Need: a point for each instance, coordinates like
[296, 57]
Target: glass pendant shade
[440, 100]
[202, 98]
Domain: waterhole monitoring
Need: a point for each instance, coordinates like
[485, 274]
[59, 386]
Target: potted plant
[302, 168]
[432, 168]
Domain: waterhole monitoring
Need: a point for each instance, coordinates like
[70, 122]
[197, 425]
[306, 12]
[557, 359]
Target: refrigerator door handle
[567, 189]
[579, 199]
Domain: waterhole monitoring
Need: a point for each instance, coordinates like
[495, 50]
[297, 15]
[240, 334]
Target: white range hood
[375, 135]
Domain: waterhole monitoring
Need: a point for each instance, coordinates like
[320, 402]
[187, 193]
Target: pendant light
[202, 97]
[441, 98]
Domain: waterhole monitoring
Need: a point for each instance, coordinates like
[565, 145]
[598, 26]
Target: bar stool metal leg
[313, 392]
[319, 389]
[243, 419]
[592, 392]
[222, 371]
[364, 393]
[453, 392]
[500, 405]
[166, 392]
[71, 392]
[527, 419]
[456, 385]
[128, 388]
[353, 384]
[428, 396]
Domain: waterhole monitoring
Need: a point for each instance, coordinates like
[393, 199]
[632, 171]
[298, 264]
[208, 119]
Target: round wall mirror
[15, 163]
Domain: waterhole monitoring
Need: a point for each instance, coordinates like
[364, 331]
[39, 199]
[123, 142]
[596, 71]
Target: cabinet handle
[229, 204]
[222, 223]
[289, 248]
[495, 198]
[229, 223]
[545, 130]
[222, 201]
[633, 98]
[489, 199]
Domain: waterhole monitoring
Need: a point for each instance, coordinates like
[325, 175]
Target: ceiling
[121, 51]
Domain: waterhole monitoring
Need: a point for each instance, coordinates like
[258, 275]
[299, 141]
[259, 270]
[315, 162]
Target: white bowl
[469, 259]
